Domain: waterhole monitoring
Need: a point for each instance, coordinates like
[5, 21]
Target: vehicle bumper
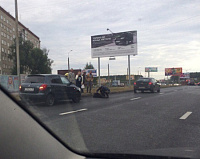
[142, 88]
[33, 97]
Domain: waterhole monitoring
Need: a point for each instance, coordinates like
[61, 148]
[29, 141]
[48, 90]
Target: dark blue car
[48, 89]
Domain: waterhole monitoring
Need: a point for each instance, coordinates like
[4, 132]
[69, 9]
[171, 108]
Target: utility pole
[17, 41]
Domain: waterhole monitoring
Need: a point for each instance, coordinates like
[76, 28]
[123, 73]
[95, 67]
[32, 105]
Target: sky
[168, 32]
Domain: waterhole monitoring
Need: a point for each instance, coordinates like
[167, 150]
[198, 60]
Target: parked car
[148, 84]
[48, 89]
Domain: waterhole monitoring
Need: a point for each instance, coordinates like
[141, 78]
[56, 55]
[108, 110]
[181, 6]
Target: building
[7, 36]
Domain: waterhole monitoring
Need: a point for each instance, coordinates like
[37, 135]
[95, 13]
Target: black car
[124, 39]
[144, 84]
[48, 89]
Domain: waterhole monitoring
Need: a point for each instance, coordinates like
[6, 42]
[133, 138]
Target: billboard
[10, 83]
[173, 71]
[151, 69]
[132, 77]
[116, 44]
[94, 72]
[185, 75]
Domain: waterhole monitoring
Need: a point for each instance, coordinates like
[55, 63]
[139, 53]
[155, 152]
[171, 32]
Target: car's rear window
[144, 79]
[34, 79]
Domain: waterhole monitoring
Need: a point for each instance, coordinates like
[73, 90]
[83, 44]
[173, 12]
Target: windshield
[64, 80]
[57, 55]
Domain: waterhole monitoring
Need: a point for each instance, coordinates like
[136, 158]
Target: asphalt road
[127, 122]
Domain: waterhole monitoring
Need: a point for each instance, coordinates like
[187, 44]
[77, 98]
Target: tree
[32, 60]
[89, 66]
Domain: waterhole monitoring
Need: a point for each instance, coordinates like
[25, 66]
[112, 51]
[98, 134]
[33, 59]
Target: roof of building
[8, 14]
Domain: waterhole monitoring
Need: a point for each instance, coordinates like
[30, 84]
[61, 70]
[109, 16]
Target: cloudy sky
[168, 31]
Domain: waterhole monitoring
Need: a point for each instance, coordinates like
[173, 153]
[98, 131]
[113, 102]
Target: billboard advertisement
[151, 69]
[10, 83]
[94, 72]
[173, 71]
[185, 75]
[116, 44]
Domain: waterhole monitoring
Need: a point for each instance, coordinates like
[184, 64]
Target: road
[127, 122]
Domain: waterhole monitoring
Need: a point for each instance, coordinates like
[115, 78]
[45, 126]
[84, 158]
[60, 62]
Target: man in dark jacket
[104, 91]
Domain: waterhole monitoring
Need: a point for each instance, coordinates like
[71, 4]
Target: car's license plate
[29, 89]
[141, 87]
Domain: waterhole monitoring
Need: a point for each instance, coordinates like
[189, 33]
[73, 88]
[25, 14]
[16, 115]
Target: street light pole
[68, 59]
[17, 41]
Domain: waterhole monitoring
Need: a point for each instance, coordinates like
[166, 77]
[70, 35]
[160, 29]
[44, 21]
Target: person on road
[104, 91]
[89, 79]
[79, 80]
[71, 76]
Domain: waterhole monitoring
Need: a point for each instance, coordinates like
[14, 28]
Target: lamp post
[68, 59]
[17, 41]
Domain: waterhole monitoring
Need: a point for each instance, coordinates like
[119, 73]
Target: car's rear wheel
[77, 98]
[50, 100]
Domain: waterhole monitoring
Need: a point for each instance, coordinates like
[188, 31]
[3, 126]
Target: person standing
[84, 81]
[79, 80]
[89, 79]
[71, 76]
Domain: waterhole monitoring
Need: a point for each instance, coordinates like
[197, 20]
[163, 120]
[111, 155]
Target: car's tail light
[20, 88]
[43, 87]
[134, 83]
[150, 83]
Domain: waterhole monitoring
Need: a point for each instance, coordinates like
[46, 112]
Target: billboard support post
[129, 71]
[148, 74]
[99, 71]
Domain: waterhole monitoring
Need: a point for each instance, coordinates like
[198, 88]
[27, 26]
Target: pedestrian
[84, 81]
[66, 75]
[89, 79]
[71, 76]
[104, 91]
[79, 80]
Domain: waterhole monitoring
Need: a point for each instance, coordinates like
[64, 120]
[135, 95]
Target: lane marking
[189, 150]
[75, 111]
[185, 115]
[135, 98]
[175, 90]
[161, 93]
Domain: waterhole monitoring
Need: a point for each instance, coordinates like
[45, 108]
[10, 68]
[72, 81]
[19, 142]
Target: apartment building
[7, 36]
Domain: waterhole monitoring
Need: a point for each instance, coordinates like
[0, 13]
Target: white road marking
[135, 98]
[161, 93]
[175, 90]
[185, 115]
[189, 150]
[75, 111]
